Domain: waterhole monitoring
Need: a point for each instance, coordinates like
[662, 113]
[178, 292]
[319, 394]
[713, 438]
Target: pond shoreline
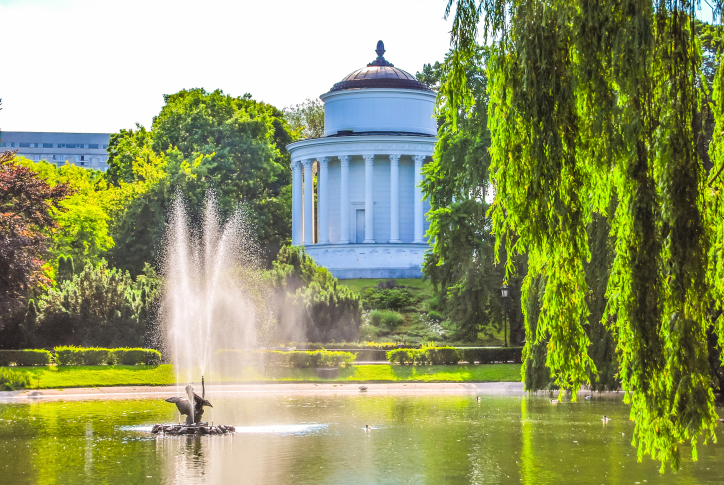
[150, 392]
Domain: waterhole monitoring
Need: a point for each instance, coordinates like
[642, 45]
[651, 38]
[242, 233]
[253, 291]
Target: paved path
[145, 392]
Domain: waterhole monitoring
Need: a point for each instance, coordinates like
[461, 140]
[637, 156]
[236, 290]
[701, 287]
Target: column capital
[307, 163]
[369, 159]
[296, 164]
[394, 158]
[344, 160]
[323, 161]
[419, 159]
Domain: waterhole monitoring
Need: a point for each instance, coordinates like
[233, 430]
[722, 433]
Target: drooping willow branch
[591, 99]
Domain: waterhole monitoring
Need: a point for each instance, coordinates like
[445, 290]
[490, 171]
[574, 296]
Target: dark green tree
[310, 305]
[204, 141]
[461, 264]
[66, 269]
[123, 149]
[100, 306]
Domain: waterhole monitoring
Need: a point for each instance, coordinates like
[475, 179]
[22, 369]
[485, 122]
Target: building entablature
[362, 145]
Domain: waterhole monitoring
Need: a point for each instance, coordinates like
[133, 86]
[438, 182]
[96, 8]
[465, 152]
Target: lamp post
[504, 292]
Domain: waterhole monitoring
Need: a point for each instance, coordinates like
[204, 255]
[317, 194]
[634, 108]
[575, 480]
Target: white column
[344, 200]
[308, 202]
[297, 222]
[323, 200]
[395, 198]
[369, 199]
[418, 198]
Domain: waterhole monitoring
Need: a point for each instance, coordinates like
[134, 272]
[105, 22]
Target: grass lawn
[417, 286]
[54, 377]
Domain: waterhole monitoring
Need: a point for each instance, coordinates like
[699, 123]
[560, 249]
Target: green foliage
[82, 219]
[461, 264]
[294, 358]
[123, 149]
[431, 75]
[308, 298]
[386, 298]
[493, 354]
[426, 355]
[385, 318]
[11, 380]
[347, 345]
[66, 269]
[69, 355]
[306, 120]
[201, 141]
[25, 357]
[589, 101]
[101, 306]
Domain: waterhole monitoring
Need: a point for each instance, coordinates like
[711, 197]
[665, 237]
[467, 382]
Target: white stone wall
[393, 110]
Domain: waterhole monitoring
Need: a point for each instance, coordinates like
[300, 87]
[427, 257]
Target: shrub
[346, 345]
[25, 357]
[399, 356]
[493, 354]
[316, 358]
[435, 316]
[137, 356]
[409, 356]
[428, 355]
[386, 318]
[443, 355]
[11, 380]
[309, 298]
[68, 355]
[386, 299]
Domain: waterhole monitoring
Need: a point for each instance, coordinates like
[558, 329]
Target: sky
[100, 65]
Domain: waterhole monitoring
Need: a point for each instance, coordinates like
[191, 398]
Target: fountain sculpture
[207, 304]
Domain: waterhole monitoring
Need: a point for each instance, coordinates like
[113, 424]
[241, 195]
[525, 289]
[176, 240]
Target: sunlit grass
[53, 377]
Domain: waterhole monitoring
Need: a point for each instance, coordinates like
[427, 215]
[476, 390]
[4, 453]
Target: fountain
[210, 303]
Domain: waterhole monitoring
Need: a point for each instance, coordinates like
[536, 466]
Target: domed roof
[379, 74]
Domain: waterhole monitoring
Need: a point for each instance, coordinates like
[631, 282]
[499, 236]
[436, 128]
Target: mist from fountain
[211, 290]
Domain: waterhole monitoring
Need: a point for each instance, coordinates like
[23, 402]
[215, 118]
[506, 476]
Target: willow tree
[591, 100]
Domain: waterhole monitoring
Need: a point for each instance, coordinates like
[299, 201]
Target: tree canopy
[27, 203]
[596, 108]
[203, 141]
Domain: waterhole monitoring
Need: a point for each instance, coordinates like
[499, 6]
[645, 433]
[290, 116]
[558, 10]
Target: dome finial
[380, 61]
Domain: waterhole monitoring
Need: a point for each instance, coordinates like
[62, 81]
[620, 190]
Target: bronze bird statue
[193, 413]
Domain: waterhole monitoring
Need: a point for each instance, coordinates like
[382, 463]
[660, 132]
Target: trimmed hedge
[493, 354]
[293, 358]
[452, 355]
[67, 355]
[25, 357]
[348, 346]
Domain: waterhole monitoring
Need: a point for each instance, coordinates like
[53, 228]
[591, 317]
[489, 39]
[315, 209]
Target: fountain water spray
[209, 286]
[211, 300]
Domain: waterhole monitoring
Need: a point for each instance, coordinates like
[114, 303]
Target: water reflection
[414, 439]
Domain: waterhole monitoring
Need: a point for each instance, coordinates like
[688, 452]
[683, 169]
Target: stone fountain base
[193, 429]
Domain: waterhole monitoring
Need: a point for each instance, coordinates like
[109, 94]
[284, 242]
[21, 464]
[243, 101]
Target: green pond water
[321, 439]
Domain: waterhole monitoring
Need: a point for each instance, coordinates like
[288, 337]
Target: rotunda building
[368, 217]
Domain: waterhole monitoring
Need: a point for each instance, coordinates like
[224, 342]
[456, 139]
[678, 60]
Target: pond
[284, 438]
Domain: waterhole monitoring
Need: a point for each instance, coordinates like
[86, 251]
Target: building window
[93, 145]
[82, 157]
[105, 146]
[25, 145]
[47, 145]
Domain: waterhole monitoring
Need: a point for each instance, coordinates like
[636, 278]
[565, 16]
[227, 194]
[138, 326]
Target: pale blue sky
[101, 65]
